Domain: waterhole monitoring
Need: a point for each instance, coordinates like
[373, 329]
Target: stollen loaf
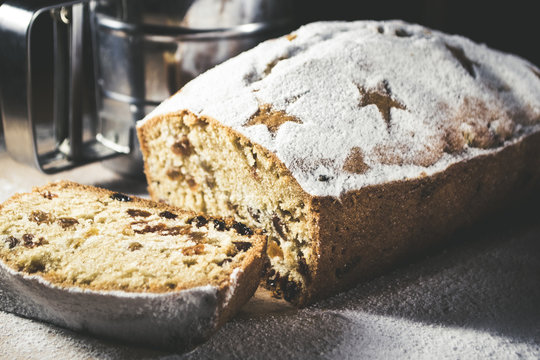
[355, 145]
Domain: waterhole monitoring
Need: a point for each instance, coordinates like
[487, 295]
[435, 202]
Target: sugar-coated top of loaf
[350, 104]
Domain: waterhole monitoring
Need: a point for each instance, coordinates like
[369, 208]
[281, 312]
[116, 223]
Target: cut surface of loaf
[355, 145]
[74, 240]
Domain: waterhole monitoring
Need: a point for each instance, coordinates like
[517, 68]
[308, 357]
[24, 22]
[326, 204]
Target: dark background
[511, 26]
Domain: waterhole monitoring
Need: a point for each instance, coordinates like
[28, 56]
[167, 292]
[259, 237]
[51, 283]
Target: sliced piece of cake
[122, 267]
[355, 145]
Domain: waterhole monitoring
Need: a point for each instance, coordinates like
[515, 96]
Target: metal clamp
[31, 79]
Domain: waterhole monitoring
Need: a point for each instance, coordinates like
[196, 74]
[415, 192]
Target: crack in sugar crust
[316, 76]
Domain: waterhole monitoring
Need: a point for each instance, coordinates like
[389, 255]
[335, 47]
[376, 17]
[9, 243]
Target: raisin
[138, 212]
[196, 236]
[175, 230]
[220, 225]
[30, 243]
[170, 285]
[199, 221]
[278, 226]
[273, 280]
[121, 197]
[323, 178]
[402, 33]
[224, 261]
[182, 147]
[168, 215]
[303, 267]
[35, 266]
[242, 245]
[174, 174]
[48, 195]
[193, 250]
[254, 213]
[242, 229]
[135, 246]
[66, 222]
[291, 291]
[28, 240]
[12, 241]
[148, 229]
[40, 217]
[192, 183]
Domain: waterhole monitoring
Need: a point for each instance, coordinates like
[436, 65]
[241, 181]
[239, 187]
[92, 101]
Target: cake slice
[354, 145]
[125, 268]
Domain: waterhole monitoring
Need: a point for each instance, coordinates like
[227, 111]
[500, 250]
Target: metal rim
[163, 33]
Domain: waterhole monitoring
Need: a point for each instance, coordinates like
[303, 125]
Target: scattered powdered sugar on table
[402, 98]
[476, 299]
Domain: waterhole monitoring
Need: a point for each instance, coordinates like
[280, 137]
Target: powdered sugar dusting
[409, 99]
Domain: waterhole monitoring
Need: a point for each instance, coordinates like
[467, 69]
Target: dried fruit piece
[242, 229]
[291, 290]
[66, 222]
[151, 228]
[220, 225]
[279, 227]
[242, 245]
[303, 267]
[40, 217]
[291, 37]
[30, 242]
[182, 147]
[135, 246]
[138, 212]
[121, 197]
[168, 215]
[323, 178]
[174, 174]
[192, 183]
[175, 230]
[224, 261]
[199, 221]
[48, 195]
[196, 236]
[402, 33]
[12, 241]
[193, 250]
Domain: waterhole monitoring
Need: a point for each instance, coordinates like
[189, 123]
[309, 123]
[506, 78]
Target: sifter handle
[35, 91]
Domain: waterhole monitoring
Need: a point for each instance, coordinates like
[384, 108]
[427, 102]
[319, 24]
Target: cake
[355, 145]
[124, 268]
